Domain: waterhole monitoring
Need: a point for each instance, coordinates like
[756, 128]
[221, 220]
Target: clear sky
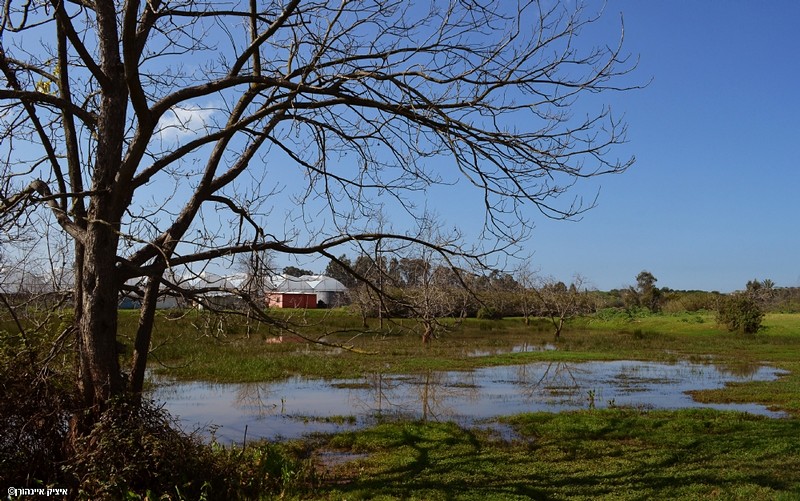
[714, 197]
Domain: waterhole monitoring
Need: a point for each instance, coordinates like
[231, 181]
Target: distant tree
[649, 295]
[340, 271]
[258, 267]
[363, 301]
[560, 302]
[429, 279]
[296, 272]
[499, 292]
[431, 299]
[413, 271]
[630, 298]
[366, 294]
[753, 287]
[761, 291]
[527, 300]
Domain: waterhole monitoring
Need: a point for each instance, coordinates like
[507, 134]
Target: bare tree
[529, 301]
[259, 268]
[560, 302]
[362, 299]
[428, 292]
[164, 134]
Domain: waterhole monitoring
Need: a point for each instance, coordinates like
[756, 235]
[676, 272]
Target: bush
[488, 313]
[739, 313]
[33, 423]
[35, 405]
[136, 451]
[133, 452]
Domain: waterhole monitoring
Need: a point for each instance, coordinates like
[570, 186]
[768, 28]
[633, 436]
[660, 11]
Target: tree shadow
[628, 452]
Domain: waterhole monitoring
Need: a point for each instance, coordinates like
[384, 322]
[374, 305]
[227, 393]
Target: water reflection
[298, 406]
[254, 398]
[524, 347]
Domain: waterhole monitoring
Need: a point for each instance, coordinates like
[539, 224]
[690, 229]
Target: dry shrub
[134, 451]
[34, 413]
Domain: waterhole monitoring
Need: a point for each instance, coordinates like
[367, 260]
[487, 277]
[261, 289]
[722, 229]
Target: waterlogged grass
[593, 454]
[608, 454]
[197, 346]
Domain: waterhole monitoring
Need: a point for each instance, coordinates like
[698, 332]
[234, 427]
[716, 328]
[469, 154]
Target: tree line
[408, 284]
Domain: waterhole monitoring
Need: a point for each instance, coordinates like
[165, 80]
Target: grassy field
[609, 453]
[603, 454]
[616, 453]
[591, 454]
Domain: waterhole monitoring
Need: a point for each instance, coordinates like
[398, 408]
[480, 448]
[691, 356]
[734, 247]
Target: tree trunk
[427, 335]
[98, 361]
[143, 335]
[96, 322]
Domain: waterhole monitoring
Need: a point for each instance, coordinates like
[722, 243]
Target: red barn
[291, 300]
[308, 291]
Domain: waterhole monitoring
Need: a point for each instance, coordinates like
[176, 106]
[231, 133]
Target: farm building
[216, 290]
[308, 291]
[291, 300]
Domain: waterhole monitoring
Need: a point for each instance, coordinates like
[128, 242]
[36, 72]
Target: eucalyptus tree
[649, 295]
[167, 133]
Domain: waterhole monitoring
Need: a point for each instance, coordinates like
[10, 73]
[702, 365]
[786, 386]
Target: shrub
[133, 452]
[33, 423]
[739, 313]
[488, 313]
[136, 450]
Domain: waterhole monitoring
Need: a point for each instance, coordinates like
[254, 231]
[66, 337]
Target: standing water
[296, 407]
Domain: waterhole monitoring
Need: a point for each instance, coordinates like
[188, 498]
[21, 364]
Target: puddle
[296, 407]
[520, 348]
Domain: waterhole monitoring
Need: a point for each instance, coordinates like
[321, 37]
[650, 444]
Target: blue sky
[714, 197]
[712, 200]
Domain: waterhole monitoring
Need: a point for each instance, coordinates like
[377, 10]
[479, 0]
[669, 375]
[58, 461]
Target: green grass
[199, 347]
[608, 454]
[605, 454]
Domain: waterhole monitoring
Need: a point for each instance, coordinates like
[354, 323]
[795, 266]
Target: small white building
[218, 290]
[329, 290]
[310, 290]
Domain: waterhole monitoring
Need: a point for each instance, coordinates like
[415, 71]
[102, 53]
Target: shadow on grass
[621, 454]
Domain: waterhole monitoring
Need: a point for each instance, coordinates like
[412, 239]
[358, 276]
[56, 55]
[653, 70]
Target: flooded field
[297, 406]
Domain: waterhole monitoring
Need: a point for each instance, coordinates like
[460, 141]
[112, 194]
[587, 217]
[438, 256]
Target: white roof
[321, 283]
[306, 283]
[288, 283]
[18, 279]
[206, 279]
